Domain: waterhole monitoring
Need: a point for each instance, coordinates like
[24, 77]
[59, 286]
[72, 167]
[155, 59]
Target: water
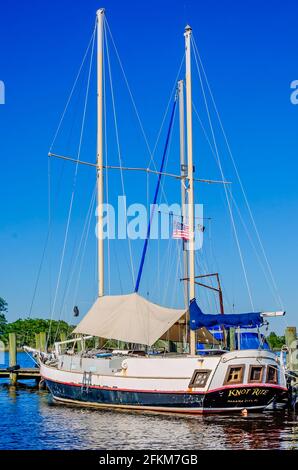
[29, 420]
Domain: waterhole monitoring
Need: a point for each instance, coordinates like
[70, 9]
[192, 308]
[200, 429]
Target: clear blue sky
[250, 54]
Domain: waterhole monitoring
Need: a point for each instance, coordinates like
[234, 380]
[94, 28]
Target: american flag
[181, 231]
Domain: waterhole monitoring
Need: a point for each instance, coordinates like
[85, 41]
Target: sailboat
[192, 382]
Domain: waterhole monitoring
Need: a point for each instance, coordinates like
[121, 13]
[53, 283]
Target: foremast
[99, 160]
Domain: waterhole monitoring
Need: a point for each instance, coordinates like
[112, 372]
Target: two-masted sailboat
[217, 380]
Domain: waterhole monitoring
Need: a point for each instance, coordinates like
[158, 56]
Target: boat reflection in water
[132, 430]
[30, 423]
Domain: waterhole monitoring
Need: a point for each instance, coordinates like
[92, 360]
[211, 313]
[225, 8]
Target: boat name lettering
[236, 392]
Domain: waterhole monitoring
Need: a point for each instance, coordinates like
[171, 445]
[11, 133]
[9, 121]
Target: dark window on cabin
[255, 374]
[234, 375]
[271, 375]
[199, 378]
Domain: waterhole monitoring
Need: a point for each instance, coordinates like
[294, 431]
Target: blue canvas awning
[198, 319]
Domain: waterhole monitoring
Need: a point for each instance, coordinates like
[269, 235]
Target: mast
[191, 257]
[183, 198]
[99, 159]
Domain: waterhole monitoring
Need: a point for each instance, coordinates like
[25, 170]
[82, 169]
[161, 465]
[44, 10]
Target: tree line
[26, 328]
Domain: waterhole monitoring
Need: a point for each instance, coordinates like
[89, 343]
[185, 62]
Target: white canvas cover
[129, 318]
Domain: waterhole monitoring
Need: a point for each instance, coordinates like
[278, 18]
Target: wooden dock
[14, 372]
[28, 373]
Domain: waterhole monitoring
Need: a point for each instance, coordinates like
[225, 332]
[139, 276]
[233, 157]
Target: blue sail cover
[198, 319]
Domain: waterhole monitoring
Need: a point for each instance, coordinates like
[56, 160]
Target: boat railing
[73, 341]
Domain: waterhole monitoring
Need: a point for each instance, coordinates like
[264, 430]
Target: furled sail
[198, 319]
[129, 318]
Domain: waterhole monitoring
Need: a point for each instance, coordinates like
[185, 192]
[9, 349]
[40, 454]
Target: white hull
[165, 384]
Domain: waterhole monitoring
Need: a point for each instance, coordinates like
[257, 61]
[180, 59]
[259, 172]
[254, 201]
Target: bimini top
[198, 319]
[129, 318]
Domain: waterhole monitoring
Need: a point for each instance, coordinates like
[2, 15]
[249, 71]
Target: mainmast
[191, 258]
[99, 160]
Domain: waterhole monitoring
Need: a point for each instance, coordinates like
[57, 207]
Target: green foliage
[275, 342]
[3, 306]
[26, 329]
[3, 323]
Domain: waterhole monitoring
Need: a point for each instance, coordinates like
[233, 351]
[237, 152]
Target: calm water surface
[29, 420]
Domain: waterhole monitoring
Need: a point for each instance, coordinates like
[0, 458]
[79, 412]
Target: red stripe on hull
[261, 385]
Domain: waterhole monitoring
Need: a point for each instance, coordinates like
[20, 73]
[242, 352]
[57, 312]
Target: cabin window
[255, 374]
[271, 375]
[199, 378]
[234, 375]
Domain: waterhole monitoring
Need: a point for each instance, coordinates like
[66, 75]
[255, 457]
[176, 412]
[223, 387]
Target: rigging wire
[148, 212]
[239, 180]
[206, 291]
[82, 243]
[174, 90]
[231, 305]
[118, 271]
[170, 264]
[225, 189]
[175, 290]
[271, 287]
[118, 148]
[158, 259]
[129, 89]
[151, 152]
[75, 297]
[49, 228]
[170, 214]
[48, 234]
[73, 188]
[273, 292]
[165, 152]
[74, 86]
[215, 266]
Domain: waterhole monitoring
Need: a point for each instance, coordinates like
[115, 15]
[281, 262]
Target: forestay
[129, 318]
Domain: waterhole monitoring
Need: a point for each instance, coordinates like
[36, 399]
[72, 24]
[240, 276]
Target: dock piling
[43, 341]
[12, 357]
[232, 342]
[292, 344]
[37, 341]
[14, 372]
[63, 337]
